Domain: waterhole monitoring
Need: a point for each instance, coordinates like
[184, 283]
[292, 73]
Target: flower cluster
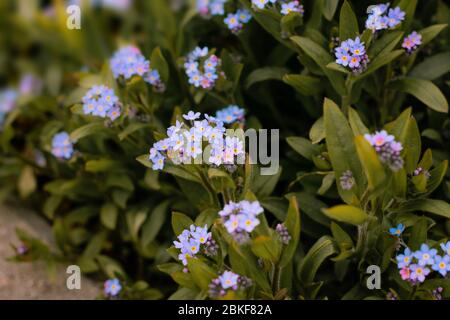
[211, 7]
[201, 68]
[241, 218]
[62, 147]
[235, 21]
[412, 42]
[346, 180]
[8, 100]
[283, 233]
[380, 18]
[231, 114]
[101, 101]
[184, 143]
[352, 53]
[128, 61]
[387, 149]
[415, 266]
[228, 281]
[194, 240]
[112, 287]
[292, 6]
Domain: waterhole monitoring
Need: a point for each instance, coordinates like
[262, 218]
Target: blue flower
[292, 6]
[404, 260]
[412, 42]
[8, 100]
[419, 272]
[398, 230]
[446, 247]
[229, 280]
[231, 114]
[191, 115]
[112, 287]
[395, 17]
[441, 264]
[62, 147]
[425, 255]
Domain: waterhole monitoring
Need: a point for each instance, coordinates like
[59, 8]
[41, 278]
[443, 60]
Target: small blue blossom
[446, 247]
[211, 7]
[419, 272]
[425, 255]
[441, 264]
[112, 287]
[388, 150]
[62, 147]
[395, 17]
[292, 6]
[229, 280]
[412, 42]
[231, 114]
[398, 230]
[191, 115]
[405, 259]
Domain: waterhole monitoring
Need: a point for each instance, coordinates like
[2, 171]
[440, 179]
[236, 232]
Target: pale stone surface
[31, 280]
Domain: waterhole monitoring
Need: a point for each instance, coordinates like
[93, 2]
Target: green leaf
[202, 274]
[341, 148]
[409, 7]
[158, 62]
[27, 183]
[303, 146]
[380, 61]
[372, 166]
[329, 8]
[317, 132]
[433, 67]
[292, 224]
[108, 215]
[321, 250]
[305, 85]
[436, 176]
[431, 32]
[438, 207]
[327, 182]
[154, 223]
[348, 23]
[135, 219]
[180, 222]
[133, 127]
[337, 67]
[264, 74]
[357, 125]
[424, 90]
[266, 247]
[385, 44]
[87, 130]
[347, 214]
[102, 165]
[322, 58]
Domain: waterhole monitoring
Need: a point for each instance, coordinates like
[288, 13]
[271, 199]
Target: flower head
[62, 147]
[292, 6]
[193, 241]
[425, 255]
[352, 53]
[418, 272]
[387, 148]
[398, 230]
[240, 218]
[112, 287]
[100, 101]
[380, 18]
[405, 259]
[201, 69]
[441, 264]
[412, 42]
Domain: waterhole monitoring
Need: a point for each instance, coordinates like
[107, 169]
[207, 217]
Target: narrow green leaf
[348, 23]
[424, 90]
[369, 159]
[347, 214]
